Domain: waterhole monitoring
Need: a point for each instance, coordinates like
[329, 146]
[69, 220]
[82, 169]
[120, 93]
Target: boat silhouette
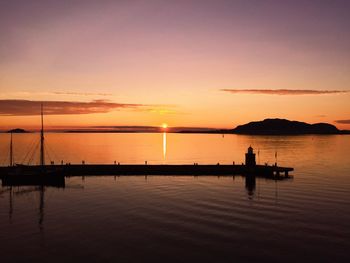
[31, 175]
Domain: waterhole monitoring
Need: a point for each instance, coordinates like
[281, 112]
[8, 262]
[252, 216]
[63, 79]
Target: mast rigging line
[32, 145]
[5, 159]
[48, 154]
[33, 153]
[48, 150]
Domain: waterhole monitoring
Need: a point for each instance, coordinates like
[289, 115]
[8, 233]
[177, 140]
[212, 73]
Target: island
[17, 130]
[285, 127]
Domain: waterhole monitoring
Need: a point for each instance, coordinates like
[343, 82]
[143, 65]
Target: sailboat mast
[11, 151]
[42, 154]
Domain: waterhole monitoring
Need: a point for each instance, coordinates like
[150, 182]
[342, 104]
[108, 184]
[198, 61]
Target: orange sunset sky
[184, 63]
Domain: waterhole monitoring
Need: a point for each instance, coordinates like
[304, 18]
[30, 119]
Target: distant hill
[285, 127]
[18, 130]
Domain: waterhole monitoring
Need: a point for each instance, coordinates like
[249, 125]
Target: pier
[53, 175]
[145, 169]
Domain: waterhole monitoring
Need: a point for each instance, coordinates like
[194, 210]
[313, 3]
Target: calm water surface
[180, 219]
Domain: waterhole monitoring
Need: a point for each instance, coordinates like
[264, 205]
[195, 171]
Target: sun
[164, 125]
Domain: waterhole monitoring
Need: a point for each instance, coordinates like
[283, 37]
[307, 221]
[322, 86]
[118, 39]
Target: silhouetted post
[42, 155]
[276, 158]
[11, 151]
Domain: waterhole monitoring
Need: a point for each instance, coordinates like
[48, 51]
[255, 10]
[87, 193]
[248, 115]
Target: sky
[200, 63]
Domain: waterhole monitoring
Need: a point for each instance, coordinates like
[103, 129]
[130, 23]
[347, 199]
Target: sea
[305, 218]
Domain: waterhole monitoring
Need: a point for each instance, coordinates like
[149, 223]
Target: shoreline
[222, 132]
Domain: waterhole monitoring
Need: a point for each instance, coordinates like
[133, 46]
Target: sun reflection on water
[164, 145]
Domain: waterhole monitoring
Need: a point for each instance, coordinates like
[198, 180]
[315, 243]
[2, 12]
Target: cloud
[343, 121]
[30, 107]
[285, 91]
[23, 95]
[81, 93]
[160, 110]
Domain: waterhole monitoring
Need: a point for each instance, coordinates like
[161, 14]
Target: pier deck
[142, 169]
[54, 175]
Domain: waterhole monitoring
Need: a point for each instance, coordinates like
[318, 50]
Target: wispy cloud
[160, 110]
[24, 95]
[343, 121]
[81, 93]
[30, 107]
[285, 91]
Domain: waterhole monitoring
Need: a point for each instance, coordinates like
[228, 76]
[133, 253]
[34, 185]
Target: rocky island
[285, 127]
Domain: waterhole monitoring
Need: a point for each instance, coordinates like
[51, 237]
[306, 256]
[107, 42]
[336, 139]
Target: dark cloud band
[29, 107]
[343, 121]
